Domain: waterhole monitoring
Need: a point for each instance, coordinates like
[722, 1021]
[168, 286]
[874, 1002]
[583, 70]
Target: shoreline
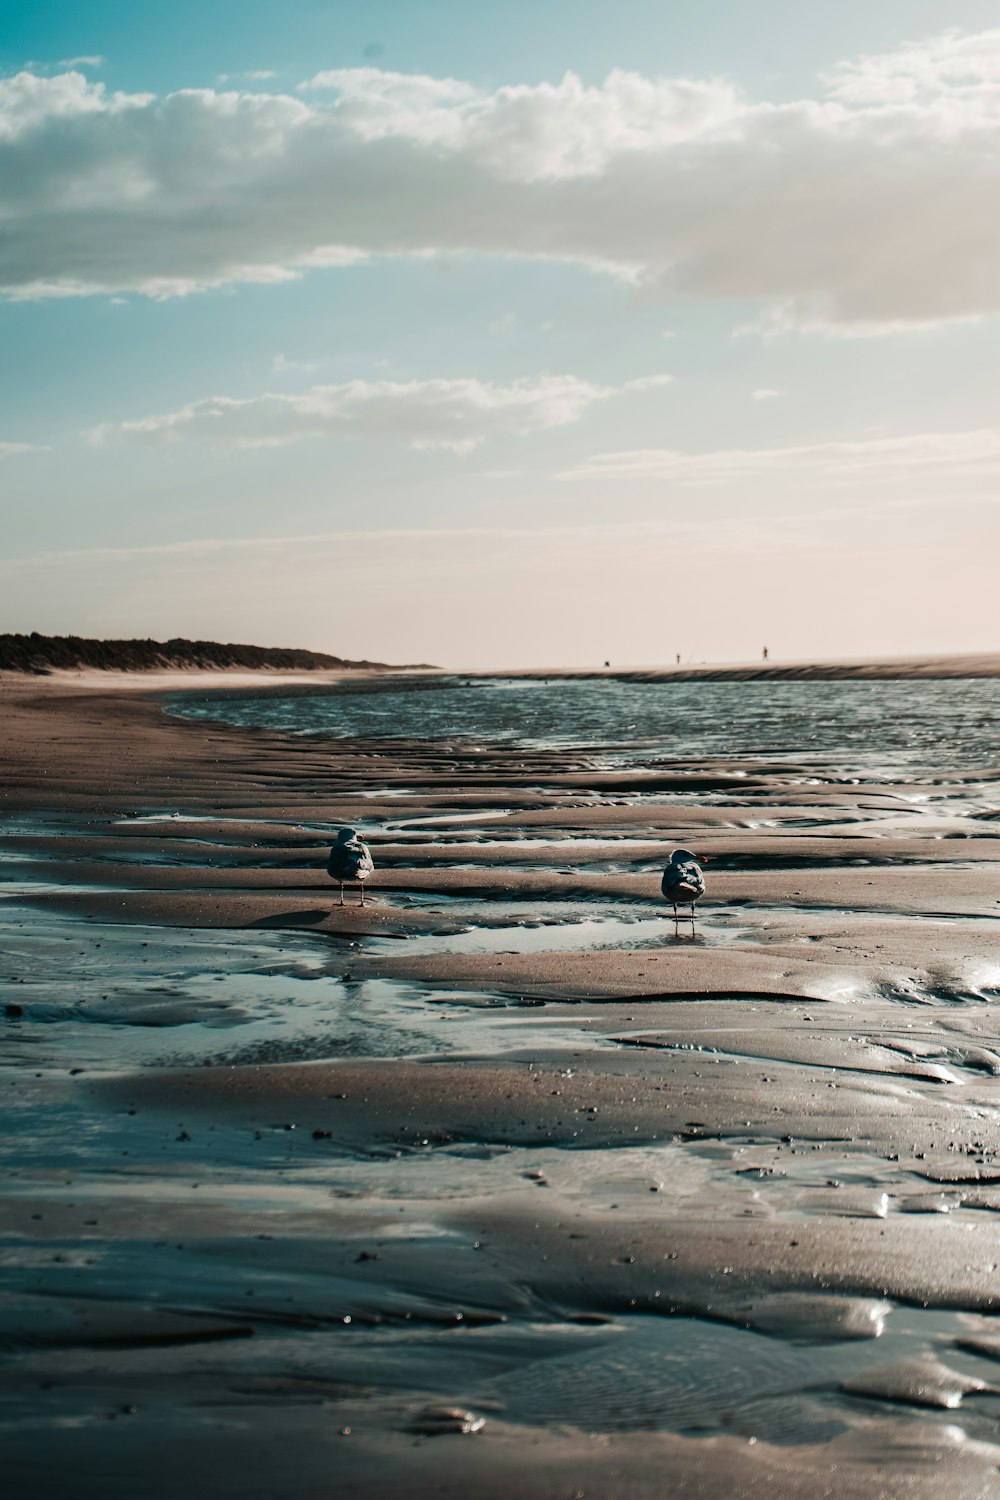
[964, 665]
[461, 1150]
[901, 669]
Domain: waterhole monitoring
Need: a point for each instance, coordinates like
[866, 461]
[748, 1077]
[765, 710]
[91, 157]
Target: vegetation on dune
[46, 653]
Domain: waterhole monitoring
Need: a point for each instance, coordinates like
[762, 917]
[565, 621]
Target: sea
[881, 727]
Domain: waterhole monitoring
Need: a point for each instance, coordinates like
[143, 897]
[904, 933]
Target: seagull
[683, 881]
[350, 859]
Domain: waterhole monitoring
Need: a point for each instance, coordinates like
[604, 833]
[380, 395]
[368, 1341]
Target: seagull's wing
[683, 882]
[349, 861]
[344, 867]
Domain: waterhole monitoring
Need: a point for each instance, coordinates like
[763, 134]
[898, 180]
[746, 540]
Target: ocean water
[922, 725]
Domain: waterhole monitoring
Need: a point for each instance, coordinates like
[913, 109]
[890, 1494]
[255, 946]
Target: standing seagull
[683, 881]
[350, 859]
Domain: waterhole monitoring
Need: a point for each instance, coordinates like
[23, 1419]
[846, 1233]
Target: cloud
[961, 65]
[8, 449]
[282, 365]
[872, 207]
[453, 414]
[253, 75]
[647, 382]
[950, 456]
[92, 60]
[765, 393]
[530, 133]
[813, 315]
[33, 106]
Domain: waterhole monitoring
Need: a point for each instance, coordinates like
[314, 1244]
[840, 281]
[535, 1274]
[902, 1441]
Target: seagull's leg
[341, 893]
[362, 893]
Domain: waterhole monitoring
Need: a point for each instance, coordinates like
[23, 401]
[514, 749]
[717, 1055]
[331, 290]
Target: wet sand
[297, 1193]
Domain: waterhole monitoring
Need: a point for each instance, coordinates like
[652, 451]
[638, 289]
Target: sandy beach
[970, 664]
[302, 1189]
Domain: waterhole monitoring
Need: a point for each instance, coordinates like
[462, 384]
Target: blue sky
[683, 357]
[189, 43]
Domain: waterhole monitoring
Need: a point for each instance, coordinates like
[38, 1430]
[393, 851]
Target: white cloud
[532, 132]
[454, 414]
[33, 106]
[282, 365]
[962, 66]
[872, 207]
[950, 456]
[765, 393]
[8, 449]
[91, 60]
[814, 315]
[648, 382]
[254, 75]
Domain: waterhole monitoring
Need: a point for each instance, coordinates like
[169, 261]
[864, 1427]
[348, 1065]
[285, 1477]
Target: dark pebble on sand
[436, 1421]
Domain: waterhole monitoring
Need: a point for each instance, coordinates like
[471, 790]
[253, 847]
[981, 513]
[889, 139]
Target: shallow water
[515, 929]
[81, 994]
[878, 725]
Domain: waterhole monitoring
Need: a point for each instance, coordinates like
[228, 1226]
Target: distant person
[678, 658]
[607, 664]
[764, 654]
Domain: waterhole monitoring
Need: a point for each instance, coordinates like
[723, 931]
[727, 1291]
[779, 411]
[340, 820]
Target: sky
[503, 335]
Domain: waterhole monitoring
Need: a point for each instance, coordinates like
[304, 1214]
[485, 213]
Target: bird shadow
[310, 916]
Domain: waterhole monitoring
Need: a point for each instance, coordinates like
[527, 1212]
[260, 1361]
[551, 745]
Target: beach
[500, 1183]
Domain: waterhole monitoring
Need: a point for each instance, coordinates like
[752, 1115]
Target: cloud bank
[873, 206]
[455, 414]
